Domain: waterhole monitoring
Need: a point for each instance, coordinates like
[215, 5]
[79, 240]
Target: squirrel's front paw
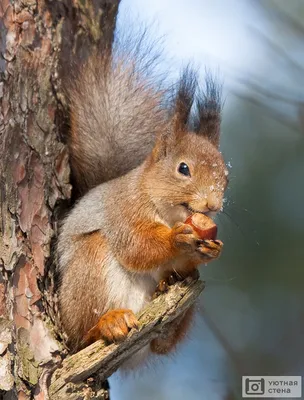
[184, 237]
[113, 326]
[210, 249]
[169, 280]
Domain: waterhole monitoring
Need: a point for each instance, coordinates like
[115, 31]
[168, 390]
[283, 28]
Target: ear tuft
[183, 98]
[207, 116]
[191, 108]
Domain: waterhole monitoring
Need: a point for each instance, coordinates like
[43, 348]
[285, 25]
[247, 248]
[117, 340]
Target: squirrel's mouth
[191, 210]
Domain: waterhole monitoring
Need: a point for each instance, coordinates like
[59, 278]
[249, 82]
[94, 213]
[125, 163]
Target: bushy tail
[118, 107]
[116, 113]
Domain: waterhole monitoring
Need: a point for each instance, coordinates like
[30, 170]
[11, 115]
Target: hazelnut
[203, 226]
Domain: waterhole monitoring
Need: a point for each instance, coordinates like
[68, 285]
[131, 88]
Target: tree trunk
[39, 41]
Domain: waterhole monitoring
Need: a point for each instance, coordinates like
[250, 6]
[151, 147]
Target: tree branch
[102, 361]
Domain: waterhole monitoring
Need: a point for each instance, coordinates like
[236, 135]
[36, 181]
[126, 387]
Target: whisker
[177, 273]
[238, 226]
[227, 280]
[222, 224]
[234, 222]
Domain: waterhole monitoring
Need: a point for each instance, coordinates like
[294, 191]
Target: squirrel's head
[186, 172]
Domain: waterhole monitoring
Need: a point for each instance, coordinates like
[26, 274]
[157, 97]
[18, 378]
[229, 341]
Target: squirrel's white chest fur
[127, 289]
[130, 290]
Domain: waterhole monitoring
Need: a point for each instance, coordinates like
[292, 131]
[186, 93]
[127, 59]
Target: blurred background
[251, 316]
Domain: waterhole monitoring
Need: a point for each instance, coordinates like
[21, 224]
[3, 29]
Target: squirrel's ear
[183, 99]
[162, 144]
[180, 104]
[207, 118]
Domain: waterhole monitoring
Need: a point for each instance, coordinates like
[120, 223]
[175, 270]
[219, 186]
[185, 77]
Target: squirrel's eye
[184, 169]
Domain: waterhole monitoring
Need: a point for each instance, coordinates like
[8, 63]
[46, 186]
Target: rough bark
[39, 41]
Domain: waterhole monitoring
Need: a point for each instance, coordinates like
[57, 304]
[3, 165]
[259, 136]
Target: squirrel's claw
[210, 249]
[113, 326]
[165, 283]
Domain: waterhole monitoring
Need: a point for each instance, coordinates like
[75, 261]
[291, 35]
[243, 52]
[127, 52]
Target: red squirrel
[142, 165]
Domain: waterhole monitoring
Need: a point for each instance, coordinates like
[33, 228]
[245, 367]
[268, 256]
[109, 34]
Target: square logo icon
[272, 387]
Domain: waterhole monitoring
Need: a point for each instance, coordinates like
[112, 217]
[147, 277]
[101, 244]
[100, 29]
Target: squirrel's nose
[212, 207]
[214, 203]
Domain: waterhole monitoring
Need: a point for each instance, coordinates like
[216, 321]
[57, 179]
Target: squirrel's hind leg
[176, 333]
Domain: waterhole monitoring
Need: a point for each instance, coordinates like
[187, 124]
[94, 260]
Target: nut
[203, 226]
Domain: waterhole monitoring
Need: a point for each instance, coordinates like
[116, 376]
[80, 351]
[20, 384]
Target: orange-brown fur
[128, 233]
[79, 319]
